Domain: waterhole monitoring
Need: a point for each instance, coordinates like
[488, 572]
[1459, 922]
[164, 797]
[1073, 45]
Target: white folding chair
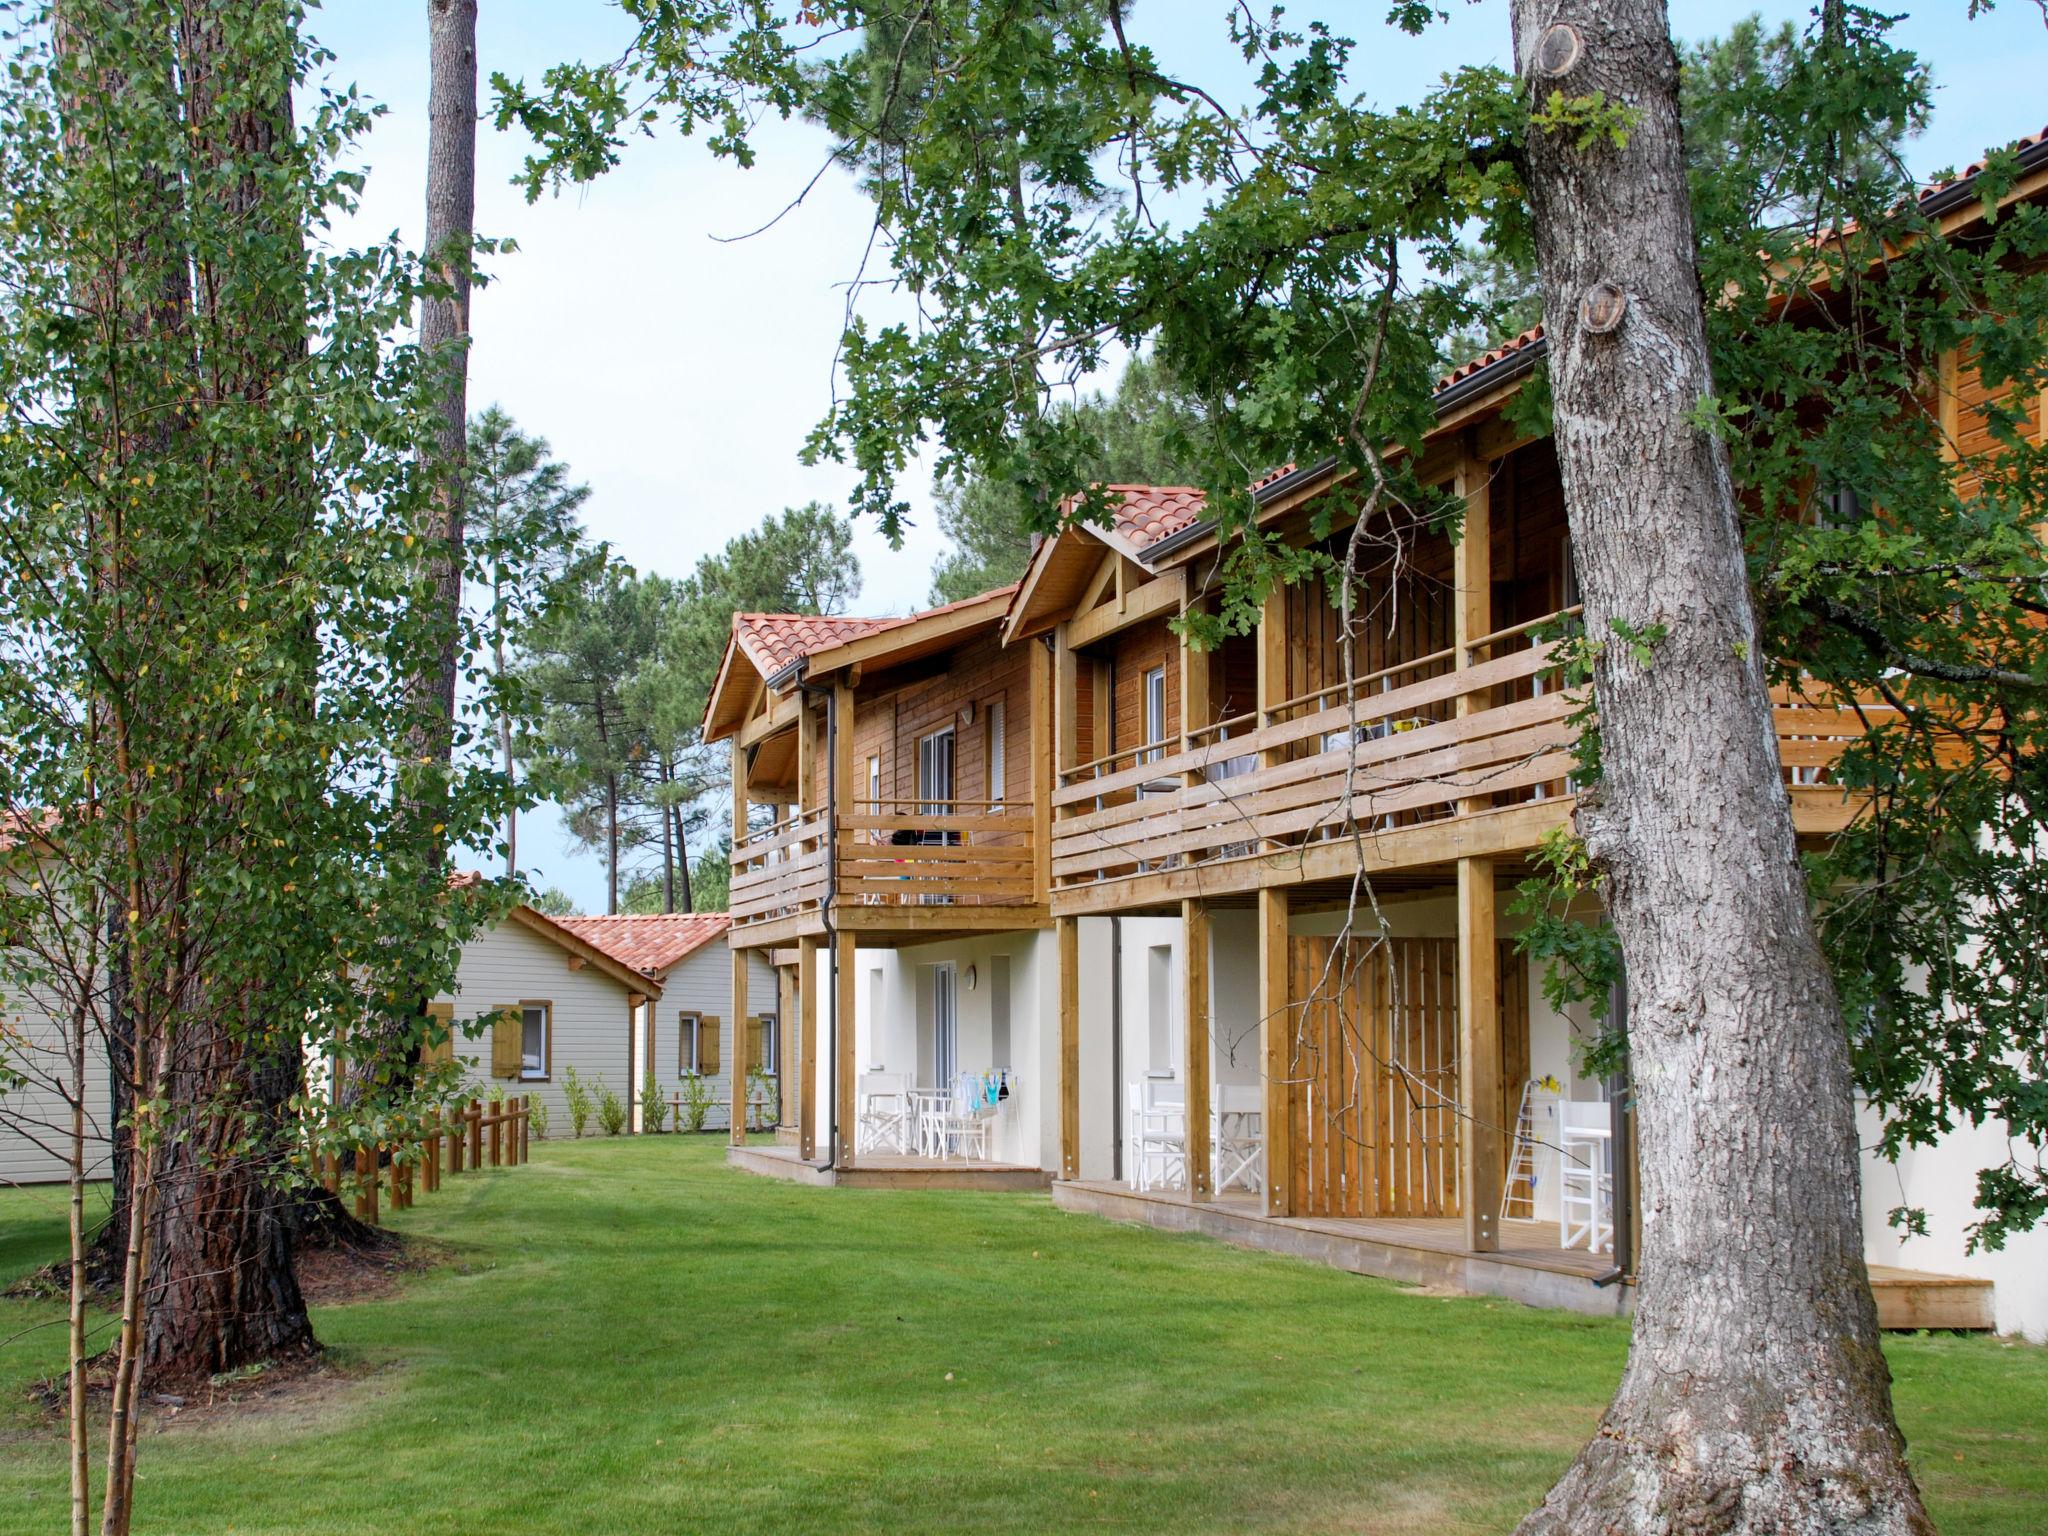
[1159, 1137]
[884, 1122]
[1240, 1137]
[1585, 1185]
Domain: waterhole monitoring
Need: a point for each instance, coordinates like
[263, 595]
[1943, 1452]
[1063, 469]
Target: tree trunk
[1756, 1396]
[611, 843]
[668, 844]
[683, 857]
[505, 738]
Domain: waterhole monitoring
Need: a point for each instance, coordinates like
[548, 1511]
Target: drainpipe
[1619, 1092]
[1116, 1047]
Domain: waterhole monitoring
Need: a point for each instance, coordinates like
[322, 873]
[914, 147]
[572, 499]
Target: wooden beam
[1105, 573]
[1479, 1086]
[1276, 1039]
[842, 753]
[1040, 724]
[1068, 931]
[781, 713]
[785, 1045]
[807, 1048]
[1195, 1032]
[1162, 594]
[844, 1027]
[736, 1063]
[806, 761]
[1271, 685]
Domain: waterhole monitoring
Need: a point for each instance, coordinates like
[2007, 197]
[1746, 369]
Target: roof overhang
[547, 928]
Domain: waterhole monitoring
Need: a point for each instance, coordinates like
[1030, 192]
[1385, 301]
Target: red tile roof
[773, 640]
[1142, 515]
[1934, 187]
[649, 944]
[1528, 338]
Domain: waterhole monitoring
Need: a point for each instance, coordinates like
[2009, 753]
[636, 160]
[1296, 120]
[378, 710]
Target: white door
[935, 773]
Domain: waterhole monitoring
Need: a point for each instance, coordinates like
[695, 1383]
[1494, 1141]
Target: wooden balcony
[1409, 767]
[911, 869]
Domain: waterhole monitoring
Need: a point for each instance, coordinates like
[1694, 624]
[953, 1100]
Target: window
[935, 773]
[875, 785]
[998, 775]
[771, 1046]
[1155, 712]
[691, 1061]
[534, 1021]
[945, 1026]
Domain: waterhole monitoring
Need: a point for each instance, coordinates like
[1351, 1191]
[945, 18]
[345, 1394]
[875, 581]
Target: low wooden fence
[477, 1136]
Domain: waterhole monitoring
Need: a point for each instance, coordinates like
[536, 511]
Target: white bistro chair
[884, 1123]
[1585, 1185]
[1158, 1135]
[1240, 1137]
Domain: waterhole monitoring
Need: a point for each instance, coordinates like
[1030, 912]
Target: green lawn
[632, 1338]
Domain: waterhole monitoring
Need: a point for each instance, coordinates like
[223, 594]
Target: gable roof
[557, 932]
[920, 634]
[651, 944]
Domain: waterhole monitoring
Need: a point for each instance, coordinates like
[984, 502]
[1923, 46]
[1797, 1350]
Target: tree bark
[683, 856]
[1756, 1396]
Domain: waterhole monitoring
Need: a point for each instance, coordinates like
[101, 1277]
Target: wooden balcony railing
[950, 853]
[1389, 751]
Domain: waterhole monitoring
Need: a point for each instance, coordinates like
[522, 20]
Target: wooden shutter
[756, 1059]
[707, 1046]
[440, 1016]
[508, 1040]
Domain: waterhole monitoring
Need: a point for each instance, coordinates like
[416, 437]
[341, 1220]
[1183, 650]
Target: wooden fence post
[476, 1133]
[455, 1143]
[525, 1128]
[432, 1162]
[496, 1119]
[366, 1185]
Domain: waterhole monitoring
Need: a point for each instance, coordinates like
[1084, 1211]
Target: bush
[537, 1117]
[696, 1104]
[653, 1107]
[760, 1101]
[579, 1103]
[611, 1109]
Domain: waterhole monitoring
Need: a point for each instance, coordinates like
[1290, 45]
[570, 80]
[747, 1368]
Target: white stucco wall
[892, 1005]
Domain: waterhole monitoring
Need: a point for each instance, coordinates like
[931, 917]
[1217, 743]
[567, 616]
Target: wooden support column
[1040, 725]
[1194, 916]
[1479, 1085]
[1068, 933]
[807, 1048]
[1479, 1064]
[843, 1068]
[1272, 646]
[1276, 1040]
[785, 1045]
[640, 1024]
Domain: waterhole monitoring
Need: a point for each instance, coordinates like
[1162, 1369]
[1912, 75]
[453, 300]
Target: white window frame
[691, 1024]
[998, 771]
[533, 1065]
[929, 803]
[771, 1045]
[1155, 713]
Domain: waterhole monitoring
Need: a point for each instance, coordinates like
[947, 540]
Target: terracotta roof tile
[649, 944]
[774, 640]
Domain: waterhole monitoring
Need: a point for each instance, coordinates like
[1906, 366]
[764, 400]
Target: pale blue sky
[679, 375]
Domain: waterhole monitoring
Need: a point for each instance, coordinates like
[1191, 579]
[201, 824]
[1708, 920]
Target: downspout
[1116, 1047]
[1620, 1158]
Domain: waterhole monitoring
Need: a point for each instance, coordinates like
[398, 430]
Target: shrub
[760, 1101]
[537, 1117]
[696, 1104]
[611, 1109]
[579, 1102]
[653, 1107]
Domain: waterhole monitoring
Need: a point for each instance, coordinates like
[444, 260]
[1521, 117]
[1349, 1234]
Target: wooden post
[430, 1163]
[843, 1069]
[807, 1048]
[785, 1045]
[455, 1143]
[1479, 1086]
[1472, 582]
[496, 1123]
[1272, 683]
[396, 1176]
[514, 1108]
[1068, 931]
[331, 1164]
[476, 1133]
[525, 1127]
[736, 1064]
[1276, 1038]
[1194, 916]
[1042, 750]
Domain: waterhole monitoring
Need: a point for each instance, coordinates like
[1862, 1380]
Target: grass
[632, 1338]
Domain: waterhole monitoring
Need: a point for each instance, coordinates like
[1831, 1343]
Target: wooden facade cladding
[856, 828]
